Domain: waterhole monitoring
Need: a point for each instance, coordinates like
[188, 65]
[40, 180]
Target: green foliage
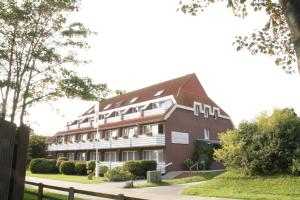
[295, 167]
[118, 174]
[37, 147]
[42, 165]
[102, 170]
[67, 168]
[59, 161]
[139, 168]
[37, 52]
[91, 165]
[80, 168]
[267, 145]
[279, 37]
[187, 164]
[203, 154]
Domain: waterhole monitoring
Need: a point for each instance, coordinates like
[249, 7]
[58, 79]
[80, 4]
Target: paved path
[158, 193]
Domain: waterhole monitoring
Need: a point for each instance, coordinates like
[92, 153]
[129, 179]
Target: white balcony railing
[132, 115]
[140, 141]
[113, 119]
[84, 125]
[154, 111]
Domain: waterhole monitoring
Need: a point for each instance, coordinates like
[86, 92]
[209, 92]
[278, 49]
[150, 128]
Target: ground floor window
[93, 155]
[157, 155]
[110, 156]
[130, 155]
[71, 156]
[60, 155]
[81, 156]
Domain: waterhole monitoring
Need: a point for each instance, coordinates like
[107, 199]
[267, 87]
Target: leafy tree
[37, 147]
[120, 92]
[280, 36]
[267, 145]
[37, 54]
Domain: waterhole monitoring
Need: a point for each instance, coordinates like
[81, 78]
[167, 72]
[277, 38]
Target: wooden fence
[71, 192]
[13, 150]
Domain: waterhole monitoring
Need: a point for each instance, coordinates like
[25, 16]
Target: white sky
[143, 42]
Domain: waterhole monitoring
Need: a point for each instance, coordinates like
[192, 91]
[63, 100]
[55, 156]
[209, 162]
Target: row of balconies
[105, 143]
[120, 118]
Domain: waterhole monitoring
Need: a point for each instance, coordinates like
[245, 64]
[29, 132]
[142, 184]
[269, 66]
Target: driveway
[158, 193]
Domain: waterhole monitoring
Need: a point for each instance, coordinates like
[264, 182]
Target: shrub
[42, 165]
[134, 167]
[102, 170]
[67, 167]
[118, 174]
[80, 168]
[148, 165]
[90, 165]
[295, 168]
[60, 160]
[187, 164]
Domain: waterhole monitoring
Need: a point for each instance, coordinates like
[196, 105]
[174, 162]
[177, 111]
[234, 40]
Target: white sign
[179, 138]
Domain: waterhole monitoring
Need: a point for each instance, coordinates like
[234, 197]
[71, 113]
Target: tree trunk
[291, 10]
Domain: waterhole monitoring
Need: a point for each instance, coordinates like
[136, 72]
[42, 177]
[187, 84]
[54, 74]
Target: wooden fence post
[121, 197]
[40, 191]
[71, 193]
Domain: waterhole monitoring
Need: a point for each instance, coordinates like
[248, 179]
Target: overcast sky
[143, 42]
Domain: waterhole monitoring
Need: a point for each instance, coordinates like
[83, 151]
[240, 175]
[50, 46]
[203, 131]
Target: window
[216, 114]
[130, 132]
[136, 109]
[60, 155]
[60, 139]
[153, 128]
[93, 155]
[130, 155]
[158, 93]
[157, 155]
[107, 106]
[110, 156]
[118, 104]
[206, 113]
[101, 117]
[72, 138]
[81, 156]
[83, 137]
[133, 99]
[206, 134]
[197, 109]
[71, 156]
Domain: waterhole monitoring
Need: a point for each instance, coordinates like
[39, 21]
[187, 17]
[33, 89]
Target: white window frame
[206, 134]
[81, 156]
[133, 99]
[72, 157]
[59, 155]
[135, 155]
[156, 153]
[109, 156]
[206, 111]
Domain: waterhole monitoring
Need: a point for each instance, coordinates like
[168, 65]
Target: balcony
[140, 141]
[155, 111]
[114, 119]
[132, 115]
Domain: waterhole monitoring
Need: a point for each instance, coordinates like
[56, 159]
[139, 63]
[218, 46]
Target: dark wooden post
[40, 191]
[71, 193]
[121, 197]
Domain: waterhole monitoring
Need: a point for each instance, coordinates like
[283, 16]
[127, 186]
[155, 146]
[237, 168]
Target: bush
[269, 144]
[67, 167]
[42, 165]
[187, 164]
[60, 160]
[91, 165]
[80, 168]
[118, 174]
[139, 168]
[102, 170]
[295, 168]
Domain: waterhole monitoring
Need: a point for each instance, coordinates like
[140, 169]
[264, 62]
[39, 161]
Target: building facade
[160, 122]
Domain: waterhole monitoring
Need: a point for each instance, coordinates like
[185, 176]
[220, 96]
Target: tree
[37, 54]
[37, 147]
[280, 36]
[267, 145]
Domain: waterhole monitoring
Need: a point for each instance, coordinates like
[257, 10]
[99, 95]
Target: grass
[198, 178]
[237, 185]
[31, 194]
[69, 178]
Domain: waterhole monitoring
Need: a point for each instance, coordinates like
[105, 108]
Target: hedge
[118, 174]
[139, 168]
[91, 165]
[80, 168]
[67, 167]
[43, 165]
[60, 160]
[102, 170]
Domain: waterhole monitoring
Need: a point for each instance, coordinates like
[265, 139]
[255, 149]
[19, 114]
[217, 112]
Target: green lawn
[69, 178]
[201, 177]
[31, 194]
[236, 185]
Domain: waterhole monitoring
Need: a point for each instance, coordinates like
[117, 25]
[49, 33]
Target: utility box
[153, 176]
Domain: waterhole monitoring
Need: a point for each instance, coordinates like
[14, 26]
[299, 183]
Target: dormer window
[206, 134]
[197, 109]
[118, 104]
[133, 99]
[159, 93]
[206, 113]
[107, 106]
[216, 114]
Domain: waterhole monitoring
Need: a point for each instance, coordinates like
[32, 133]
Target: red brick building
[160, 122]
